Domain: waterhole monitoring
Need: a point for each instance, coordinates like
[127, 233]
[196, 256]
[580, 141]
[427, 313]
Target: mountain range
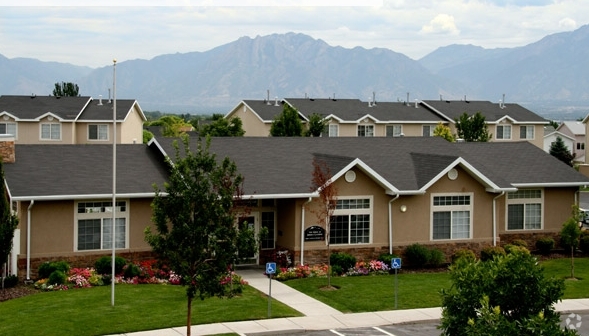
[550, 76]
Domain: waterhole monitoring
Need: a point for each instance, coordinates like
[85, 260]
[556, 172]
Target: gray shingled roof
[491, 111]
[32, 107]
[97, 112]
[78, 171]
[283, 166]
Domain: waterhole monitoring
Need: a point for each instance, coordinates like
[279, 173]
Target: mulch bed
[16, 292]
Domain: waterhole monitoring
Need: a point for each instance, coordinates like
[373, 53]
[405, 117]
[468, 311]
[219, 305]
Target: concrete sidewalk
[318, 316]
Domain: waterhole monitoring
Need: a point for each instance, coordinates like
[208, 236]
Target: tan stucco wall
[131, 130]
[251, 123]
[30, 133]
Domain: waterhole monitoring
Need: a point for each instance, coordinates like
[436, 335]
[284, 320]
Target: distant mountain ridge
[553, 70]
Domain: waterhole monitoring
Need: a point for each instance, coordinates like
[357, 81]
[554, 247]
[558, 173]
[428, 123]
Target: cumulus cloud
[567, 23]
[441, 24]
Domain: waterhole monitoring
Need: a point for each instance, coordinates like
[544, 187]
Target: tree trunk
[188, 316]
[572, 262]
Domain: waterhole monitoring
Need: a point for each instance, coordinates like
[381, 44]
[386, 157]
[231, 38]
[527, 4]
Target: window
[365, 130]
[333, 130]
[451, 216]
[94, 226]
[503, 132]
[580, 145]
[394, 130]
[428, 130]
[268, 223]
[524, 210]
[97, 132]
[51, 131]
[351, 221]
[8, 128]
[526, 132]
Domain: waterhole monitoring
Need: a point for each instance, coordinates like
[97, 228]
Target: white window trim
[15, 128]
[451, 208]
[502, 133]
[393, 126]
[365, 126]
[105, 215]
[98, 132]
[275, 228]
[335, 127]
[533, 132]
[431, 129]
[51, 124]
[524, 201]
[369, 211]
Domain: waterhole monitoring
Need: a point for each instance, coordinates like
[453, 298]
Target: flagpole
[114, 178]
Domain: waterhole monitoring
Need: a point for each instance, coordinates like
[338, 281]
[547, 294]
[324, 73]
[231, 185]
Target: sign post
[396, 265]
[270, 269]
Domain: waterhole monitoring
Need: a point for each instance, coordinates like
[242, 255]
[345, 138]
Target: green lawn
[88, 311]
[418, 290]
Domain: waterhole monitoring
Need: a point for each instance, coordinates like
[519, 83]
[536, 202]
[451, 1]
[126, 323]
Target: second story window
[8, 128]
[365, 130]
[98, 132]
[428, 130]
[394, 130]
[51, 131]
[503, 132]
[526, 132]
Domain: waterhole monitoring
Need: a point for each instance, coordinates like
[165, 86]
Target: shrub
[130, 270]
[520, 242]
[436, 257]
[387, 258]
[463, 254]
[336, 270]
[47, 268]
[584, 242]
[57, 277]
[10, 281]
[545, 245]
[417, 255]
[343, 260]
[491, 251]
[104, 266]
[510, 248]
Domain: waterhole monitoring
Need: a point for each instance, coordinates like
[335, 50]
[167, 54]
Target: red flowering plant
[367, 268]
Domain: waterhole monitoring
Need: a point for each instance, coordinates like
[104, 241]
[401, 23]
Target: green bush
[545, 245]
[130, 270]
[47, 268]
[104, 266]
[10, 281]
[584, 242]
[343, 260]
[57, 277]
[491, 251]
[417, 255]
[436, 257]
[387, 258]
[336, 270]
[509, 249]
[520, 242]
[463, 254]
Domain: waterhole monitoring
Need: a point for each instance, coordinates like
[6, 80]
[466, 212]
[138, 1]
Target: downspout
[495, 217]
[391, 224]
[303, 230]
[29, 239]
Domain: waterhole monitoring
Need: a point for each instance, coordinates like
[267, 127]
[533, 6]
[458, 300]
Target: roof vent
[416, 102]
[99, 100]
[369, 102]
[276, 101]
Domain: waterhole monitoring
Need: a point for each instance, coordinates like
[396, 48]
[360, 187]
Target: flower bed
[305, 271]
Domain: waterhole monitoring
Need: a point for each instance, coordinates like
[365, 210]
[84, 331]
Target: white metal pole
[114, 177]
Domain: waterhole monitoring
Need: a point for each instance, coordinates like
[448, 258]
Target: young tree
[559, 150]
[444, 131]
[64, 89]
[570, 235]
[508, 295]
[8, 223]
[221, 127]
[173, 126]
[196, 232]
[316, 125]
[472, 128]
[321, 181]
[287, 123]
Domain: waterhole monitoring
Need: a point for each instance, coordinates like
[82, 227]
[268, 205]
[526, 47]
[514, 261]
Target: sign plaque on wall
[314, 233]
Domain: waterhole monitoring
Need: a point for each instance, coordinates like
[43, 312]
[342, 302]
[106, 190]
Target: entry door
[252, 222]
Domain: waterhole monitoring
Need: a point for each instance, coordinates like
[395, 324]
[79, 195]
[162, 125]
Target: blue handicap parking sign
[271, 268]
[396, 263]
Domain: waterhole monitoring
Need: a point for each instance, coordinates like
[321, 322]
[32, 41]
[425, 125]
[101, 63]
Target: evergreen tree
[316, 125]
[64, 89]
[287, 124]
[8, 223]
[472, 128]
[559, 150]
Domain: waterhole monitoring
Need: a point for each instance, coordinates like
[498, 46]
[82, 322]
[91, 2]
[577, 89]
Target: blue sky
[93, 36]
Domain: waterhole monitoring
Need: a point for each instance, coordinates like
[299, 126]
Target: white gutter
[29, 239]
[495, 218]
[391, 224]
[303, 230]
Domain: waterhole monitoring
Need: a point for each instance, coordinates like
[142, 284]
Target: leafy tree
[570, 235]
[287, 123]
[195, 221]
[559, 150]
[444, 131]
[64, 89]
[509, 295]
[8, 223]
[316, 125]
[173, 126]
[554, 123]
[147, 135]
[472, 128]
[321, 181]
[221, 127]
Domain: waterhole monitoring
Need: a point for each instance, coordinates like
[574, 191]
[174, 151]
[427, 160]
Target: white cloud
[441, 24]
[567, 23]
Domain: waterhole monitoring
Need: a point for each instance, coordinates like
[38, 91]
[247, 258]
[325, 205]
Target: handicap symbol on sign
[396, 263]
[270, 268]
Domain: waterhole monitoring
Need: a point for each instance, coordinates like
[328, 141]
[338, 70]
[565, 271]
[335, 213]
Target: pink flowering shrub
[371, 267]
[301, 271]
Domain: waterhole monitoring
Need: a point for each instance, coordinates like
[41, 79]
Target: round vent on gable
[453, 174]
[350, 176]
